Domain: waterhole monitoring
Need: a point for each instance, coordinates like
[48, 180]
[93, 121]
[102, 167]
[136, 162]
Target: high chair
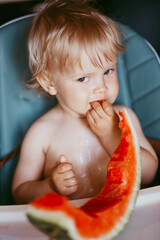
[139, 80]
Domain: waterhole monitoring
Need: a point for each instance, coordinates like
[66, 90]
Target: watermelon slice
[105, 215]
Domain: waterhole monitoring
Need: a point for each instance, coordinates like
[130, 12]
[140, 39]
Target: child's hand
[63, 177]
[103, 120]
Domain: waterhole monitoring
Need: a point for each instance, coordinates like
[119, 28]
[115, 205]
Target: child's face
[77, 89]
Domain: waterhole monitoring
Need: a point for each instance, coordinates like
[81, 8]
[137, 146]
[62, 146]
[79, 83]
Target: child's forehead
[88, 63]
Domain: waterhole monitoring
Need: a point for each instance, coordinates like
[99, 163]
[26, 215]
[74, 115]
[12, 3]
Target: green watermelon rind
[58, 228]
[66, 224]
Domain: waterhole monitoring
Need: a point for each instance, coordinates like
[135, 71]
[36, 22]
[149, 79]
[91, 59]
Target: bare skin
[67, 149]
[155, 144]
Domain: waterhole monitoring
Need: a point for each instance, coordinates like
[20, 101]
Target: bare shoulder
[40, 131]
[138, 128]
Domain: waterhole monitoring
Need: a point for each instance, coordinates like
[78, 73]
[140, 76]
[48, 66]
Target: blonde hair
[61, 30]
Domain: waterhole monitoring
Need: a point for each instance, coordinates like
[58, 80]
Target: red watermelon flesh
[105, 215]
[101, 101]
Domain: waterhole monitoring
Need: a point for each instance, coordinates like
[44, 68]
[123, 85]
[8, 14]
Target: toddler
[73, 52]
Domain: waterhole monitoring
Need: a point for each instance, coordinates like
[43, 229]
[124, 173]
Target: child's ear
[47, 85]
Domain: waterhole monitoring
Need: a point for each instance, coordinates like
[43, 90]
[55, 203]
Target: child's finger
[71, 189]
[90, 119]
[63, 167]
[97, 107]
[94, 115]
[71, 182]
[69, 174]
[63, 159]
[108, 109]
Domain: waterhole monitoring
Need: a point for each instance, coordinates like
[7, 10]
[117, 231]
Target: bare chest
[84, 151]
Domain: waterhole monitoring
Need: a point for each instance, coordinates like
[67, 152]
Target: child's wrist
[52, 185]
[111, 142]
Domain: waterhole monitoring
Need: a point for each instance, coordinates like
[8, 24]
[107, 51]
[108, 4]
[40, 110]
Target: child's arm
[155, 144]
[28, 183]
[104, 122]
[148, 155]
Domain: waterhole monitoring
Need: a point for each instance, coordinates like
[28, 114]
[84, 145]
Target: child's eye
[83, 79]
[109, 71]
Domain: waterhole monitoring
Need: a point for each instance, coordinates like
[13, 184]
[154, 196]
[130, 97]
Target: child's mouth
[101, 101]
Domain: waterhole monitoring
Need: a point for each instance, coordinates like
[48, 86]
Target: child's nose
[100, 88]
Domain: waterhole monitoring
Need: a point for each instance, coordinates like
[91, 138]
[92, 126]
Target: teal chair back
[138, 72]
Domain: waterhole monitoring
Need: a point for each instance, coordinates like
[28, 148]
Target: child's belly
[91, 180]
[86, 154]
[89, 166]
